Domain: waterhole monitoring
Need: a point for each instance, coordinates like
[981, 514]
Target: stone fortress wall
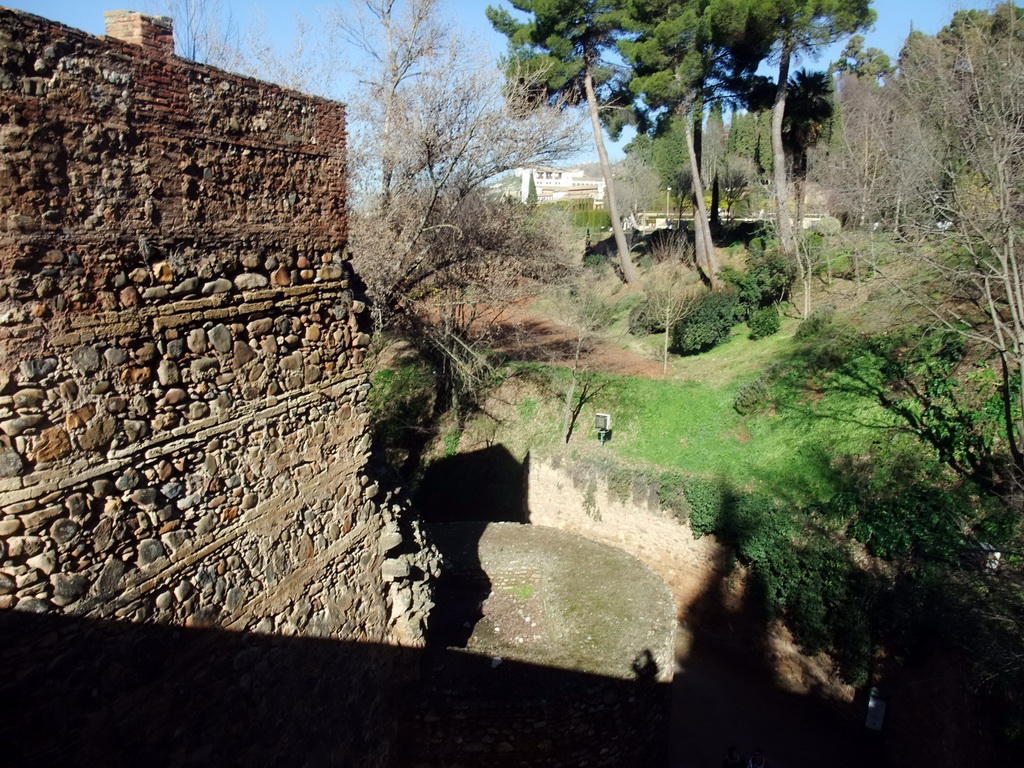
[183, 435]
[198, 565]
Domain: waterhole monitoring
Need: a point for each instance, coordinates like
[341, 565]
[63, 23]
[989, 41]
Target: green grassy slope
[688, 423]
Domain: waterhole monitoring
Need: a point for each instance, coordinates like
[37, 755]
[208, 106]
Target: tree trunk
[1012, 421]
[629, 272]
[798, 196]
[803, 264]
[780, 176]
[716, 196]
[664, 351]
[567, 417]
[705, 253]
[807, 291]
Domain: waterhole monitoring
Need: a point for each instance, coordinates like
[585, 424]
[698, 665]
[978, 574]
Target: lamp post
[668, 190]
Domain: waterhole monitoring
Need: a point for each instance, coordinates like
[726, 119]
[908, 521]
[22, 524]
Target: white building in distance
[554, 184]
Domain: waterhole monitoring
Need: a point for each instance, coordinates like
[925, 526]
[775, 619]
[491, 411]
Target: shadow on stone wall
[462, 588]
[79, 692]
[485, 485]
[476, 488]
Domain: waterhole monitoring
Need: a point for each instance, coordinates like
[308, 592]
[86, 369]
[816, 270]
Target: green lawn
[688, 423]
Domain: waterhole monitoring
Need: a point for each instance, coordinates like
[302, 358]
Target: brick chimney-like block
[155, 33]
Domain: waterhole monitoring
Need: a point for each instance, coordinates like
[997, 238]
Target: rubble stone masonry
[183, 435]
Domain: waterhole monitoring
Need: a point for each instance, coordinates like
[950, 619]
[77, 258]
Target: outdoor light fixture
[877, 705]
[603, 424]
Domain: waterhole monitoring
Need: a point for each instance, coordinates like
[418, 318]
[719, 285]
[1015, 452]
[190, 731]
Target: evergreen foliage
[749, 138]
[751, 396]
[595, 219]
[562, 43]
[764, 322]
[855, 60]
[766, 281]
[707, 326]
[644, 322]
[815, 323]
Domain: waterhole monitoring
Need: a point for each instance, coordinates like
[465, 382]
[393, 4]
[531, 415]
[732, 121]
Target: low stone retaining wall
[575, 497]
[602, 723]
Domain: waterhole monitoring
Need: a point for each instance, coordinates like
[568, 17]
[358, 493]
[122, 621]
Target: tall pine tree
[672, 55]
[565, 41]
[793, 27]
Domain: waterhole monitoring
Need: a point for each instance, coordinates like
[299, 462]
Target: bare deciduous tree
[638, 189]
[204, 31]
[737, 176]
[966, 90]
[433, 126]
[392, 47]
[882, 165]
[580, 309]
[671, 293]
[308, 63]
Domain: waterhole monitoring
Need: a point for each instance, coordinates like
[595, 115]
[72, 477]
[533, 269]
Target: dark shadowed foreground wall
[183, 437]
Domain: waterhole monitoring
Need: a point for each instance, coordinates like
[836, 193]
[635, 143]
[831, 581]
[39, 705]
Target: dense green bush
[766, 281]
[827, 610]
[704, 499]
[757, 393]
[672, 494]
[758, 527]
[815, 586]
[764, 322]
[745, 286]
[751, 396]
[707, 326]
[819, 319]
[796, 573]
[644, 322]
[919, 520]
[596, 261]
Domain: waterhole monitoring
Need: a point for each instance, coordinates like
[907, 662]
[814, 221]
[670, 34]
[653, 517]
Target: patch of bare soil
[521, 331]
[513, 616]
[561, 601]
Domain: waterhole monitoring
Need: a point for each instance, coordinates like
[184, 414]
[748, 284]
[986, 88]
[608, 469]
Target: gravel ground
[561, 601]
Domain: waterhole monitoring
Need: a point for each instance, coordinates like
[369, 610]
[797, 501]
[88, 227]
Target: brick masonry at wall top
[183, 433]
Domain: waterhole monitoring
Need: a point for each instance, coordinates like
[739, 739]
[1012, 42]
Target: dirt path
[523, 332]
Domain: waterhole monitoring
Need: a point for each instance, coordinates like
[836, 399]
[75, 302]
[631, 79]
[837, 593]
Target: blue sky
[895, 19]
[894, 16]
